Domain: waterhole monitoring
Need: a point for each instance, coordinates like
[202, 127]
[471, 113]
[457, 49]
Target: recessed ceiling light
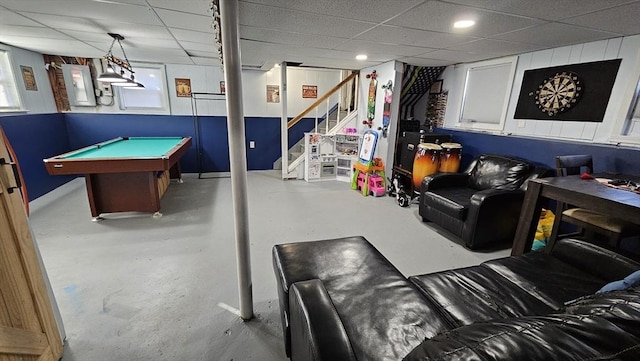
[361, 57]
[464, 23]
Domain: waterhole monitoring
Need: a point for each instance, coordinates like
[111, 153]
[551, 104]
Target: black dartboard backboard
[574, 92]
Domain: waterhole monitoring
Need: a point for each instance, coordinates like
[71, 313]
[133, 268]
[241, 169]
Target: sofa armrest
[492, 217]
[317, 333]
[443, 180]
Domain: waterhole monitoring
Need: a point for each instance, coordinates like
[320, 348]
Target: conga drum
[450, 157]
[425, 162]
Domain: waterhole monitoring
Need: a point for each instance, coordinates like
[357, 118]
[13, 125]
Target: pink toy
[376, 186]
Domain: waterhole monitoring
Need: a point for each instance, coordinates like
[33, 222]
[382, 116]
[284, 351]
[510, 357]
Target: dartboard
[558, 93]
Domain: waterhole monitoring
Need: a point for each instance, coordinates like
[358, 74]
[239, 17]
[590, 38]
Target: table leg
[528, 222]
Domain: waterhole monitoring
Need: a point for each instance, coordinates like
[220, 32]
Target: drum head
[451, 145]
[429, 146]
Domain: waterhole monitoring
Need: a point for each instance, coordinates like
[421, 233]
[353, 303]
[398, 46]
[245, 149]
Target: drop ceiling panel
[543, 9]
[138, 13]
[12, 18]
[405, 36]
[54, 46]
[180, 20]
[371, 10]
[129, 30]
[299, 22]
[370, 47]
[454, 56]
[67, 22]
[30, 31]
[189, 46]
[495, 46]
[441, 17]
[193, 36]
[205, 61]
[424, 61]
[285, 37]
[621, 19]
[555, 34]
[198, 7]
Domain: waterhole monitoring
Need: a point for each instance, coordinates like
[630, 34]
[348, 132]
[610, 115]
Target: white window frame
[10, 83]
[630, 101]
[163, 109]
[476, 125]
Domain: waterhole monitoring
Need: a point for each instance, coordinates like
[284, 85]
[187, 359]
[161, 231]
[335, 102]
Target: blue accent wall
[35, 137]
[606, 158]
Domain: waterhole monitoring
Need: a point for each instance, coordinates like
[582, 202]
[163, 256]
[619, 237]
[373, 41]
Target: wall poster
[183, 87]
[28, 77]
[273, 93]
[310, 91]
[223, 87]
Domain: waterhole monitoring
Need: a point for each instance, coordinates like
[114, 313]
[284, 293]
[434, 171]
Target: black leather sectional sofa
[341, 299]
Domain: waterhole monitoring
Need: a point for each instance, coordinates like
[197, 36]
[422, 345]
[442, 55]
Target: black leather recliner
[481, 205]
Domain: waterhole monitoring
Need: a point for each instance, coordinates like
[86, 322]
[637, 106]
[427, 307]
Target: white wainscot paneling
[543, 128]
[560, 56]
[556, 128]
[593, 51]
[576, 53]
[613, 48]
[589, 130]
[572, 130]
[541, 59]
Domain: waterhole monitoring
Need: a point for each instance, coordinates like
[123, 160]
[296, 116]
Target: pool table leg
[175, 173]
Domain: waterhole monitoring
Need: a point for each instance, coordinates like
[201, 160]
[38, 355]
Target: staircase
[334, 117]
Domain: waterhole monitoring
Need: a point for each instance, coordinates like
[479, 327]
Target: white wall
[626, 48]
[388, 71]
[34, 101]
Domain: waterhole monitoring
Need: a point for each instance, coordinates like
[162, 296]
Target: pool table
[124, 174]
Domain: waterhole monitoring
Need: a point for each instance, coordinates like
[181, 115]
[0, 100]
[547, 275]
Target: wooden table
[578, 192]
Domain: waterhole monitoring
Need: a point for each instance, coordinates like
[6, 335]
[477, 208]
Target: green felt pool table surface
[132, 147]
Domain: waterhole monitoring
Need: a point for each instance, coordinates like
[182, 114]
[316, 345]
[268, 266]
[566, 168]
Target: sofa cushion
[600, 328]
[383, 314]
[546, 277]
[474, 294]
[453, 201]
[499, 172]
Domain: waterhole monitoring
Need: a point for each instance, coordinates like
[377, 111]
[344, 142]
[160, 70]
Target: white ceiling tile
[180, 20]
[371, 10]
[495, 46]
[54, 46]
[371, 47]
[210, 48]
[439, 16]
[424, 61]
[454, 56]
[8, 17]
[135, 13]
[406, 36]
[205, 61]
[299, 22]
[285, 37]
[555, 34]
[622, 19]
[542, 9]
[202, 54]
[30, 31]
[193, 36]
[198, 7]
[67, 22]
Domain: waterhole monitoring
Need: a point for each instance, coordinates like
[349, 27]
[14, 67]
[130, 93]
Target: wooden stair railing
[298, 117]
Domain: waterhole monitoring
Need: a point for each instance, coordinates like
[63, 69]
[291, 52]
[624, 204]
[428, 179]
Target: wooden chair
[589, 221]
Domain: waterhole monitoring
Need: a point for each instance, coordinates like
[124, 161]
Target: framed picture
[310, 91]
[223, 87]
[183, 87]
[436, 87]
[273, 93]
[29, 78]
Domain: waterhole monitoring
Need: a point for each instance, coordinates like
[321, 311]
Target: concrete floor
[133, 287]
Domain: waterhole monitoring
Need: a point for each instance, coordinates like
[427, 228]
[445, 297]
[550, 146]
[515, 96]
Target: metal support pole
[284, 129]
[229, 21]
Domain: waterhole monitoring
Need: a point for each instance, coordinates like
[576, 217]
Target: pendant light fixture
[111, 75]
